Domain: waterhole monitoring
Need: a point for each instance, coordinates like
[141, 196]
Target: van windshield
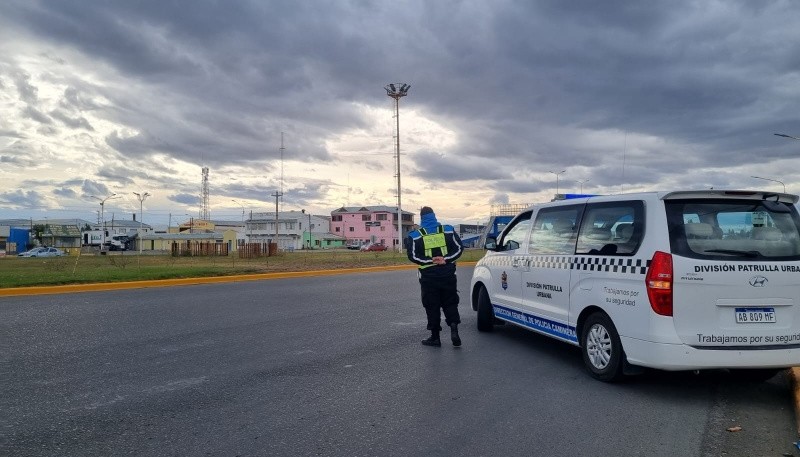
[723, 229]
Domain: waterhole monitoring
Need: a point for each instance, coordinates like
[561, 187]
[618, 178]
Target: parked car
[42, 252]
[30, 252]
[118, 243]
[355, 245]
[374, 247]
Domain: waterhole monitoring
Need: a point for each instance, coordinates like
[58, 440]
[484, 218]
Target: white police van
[683, 280]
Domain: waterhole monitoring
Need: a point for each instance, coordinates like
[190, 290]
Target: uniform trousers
[440, 294]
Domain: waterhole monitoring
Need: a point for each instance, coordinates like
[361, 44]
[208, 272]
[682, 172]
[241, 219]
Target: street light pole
[141, 198]
[560, 172]
[397, 91]
[583, 181]
[787, 136]
[103, 218]
[773, 180]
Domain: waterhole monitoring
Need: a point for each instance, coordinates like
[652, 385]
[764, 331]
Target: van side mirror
[490, 244]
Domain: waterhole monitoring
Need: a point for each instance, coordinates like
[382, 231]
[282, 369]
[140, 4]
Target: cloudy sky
[127, 96]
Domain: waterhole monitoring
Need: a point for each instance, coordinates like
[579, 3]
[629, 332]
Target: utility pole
[277, 196]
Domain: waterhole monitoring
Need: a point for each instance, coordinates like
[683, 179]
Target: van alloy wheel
[598, 346]
[601, 348]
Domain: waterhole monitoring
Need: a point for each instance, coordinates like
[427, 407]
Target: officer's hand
[438, 260]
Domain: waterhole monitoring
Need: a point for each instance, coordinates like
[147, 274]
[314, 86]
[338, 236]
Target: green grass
[26, 272]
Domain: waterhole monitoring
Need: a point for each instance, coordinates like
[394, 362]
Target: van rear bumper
[675, 357]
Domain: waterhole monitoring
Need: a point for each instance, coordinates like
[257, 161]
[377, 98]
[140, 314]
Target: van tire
[602, 348]
[485, 312]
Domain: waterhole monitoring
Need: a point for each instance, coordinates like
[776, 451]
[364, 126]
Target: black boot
[454, 335]
[432, 340]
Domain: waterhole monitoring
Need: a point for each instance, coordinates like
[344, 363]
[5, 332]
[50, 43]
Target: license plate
[755, 315]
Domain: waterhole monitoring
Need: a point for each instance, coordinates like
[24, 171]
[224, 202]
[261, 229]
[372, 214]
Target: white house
[294, 228]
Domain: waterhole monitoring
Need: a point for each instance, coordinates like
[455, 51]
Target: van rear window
[722, 229]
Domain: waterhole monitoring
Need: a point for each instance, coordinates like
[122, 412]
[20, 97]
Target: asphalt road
[333, 366]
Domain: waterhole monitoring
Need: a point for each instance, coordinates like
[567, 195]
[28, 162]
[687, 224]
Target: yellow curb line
[794, 377]
[72, 288]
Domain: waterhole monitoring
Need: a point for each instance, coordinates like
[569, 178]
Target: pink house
[370, 224]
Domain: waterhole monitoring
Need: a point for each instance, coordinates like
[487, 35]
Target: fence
[199, 248]
[253, 250]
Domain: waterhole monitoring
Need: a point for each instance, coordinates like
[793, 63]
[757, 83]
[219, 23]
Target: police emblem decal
[504, 280]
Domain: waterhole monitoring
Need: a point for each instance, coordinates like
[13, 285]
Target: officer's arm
[413, 251]
[454, 248]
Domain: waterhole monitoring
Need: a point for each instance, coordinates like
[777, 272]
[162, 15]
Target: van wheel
[754, 375]
[485, 312]
[601, 348]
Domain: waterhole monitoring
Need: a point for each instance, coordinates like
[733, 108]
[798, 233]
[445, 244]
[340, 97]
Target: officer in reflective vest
[435, 248]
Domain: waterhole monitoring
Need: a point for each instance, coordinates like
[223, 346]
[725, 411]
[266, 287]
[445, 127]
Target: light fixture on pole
[581, 182]
[773, 180]
[787, 136]
[560, 172]
[103, 218]
[398, 91]
[141, 198]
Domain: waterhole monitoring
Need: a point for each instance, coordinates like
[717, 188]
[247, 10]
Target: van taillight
[659, 283]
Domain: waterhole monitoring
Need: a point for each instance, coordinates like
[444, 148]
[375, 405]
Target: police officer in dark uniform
[435, 248]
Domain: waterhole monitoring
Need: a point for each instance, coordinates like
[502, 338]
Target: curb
[75, 288]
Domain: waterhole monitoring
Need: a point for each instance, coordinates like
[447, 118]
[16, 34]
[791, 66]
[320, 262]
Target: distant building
[64, 234]
[122, 227]
[370, 224]
[470, 234]
[295, 230]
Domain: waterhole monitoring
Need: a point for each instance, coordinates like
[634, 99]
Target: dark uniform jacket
[450, 249]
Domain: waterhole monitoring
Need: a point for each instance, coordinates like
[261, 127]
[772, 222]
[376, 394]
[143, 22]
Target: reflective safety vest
[431, 241]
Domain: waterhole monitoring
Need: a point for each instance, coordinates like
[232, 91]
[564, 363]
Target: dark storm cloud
[75, 123]
[435, 167]
[33, 113]
[27, 92]
[525, 85]
[119, 175]
[97, 189]
[65, 192]
[186, 199]
[14, 160]
[22, 198]
[75, 99]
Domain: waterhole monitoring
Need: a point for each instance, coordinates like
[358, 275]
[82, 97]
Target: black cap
[425, 210]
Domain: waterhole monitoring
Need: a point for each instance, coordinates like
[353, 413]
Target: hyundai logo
[758, 281]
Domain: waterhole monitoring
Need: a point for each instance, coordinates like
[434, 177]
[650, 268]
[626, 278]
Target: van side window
[554, 231]
[515, 234]
[611, 228]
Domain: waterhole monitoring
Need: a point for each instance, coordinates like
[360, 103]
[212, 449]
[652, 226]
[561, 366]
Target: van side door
[546, 286]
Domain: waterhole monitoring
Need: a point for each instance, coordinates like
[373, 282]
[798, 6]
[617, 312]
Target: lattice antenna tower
[205, 212]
